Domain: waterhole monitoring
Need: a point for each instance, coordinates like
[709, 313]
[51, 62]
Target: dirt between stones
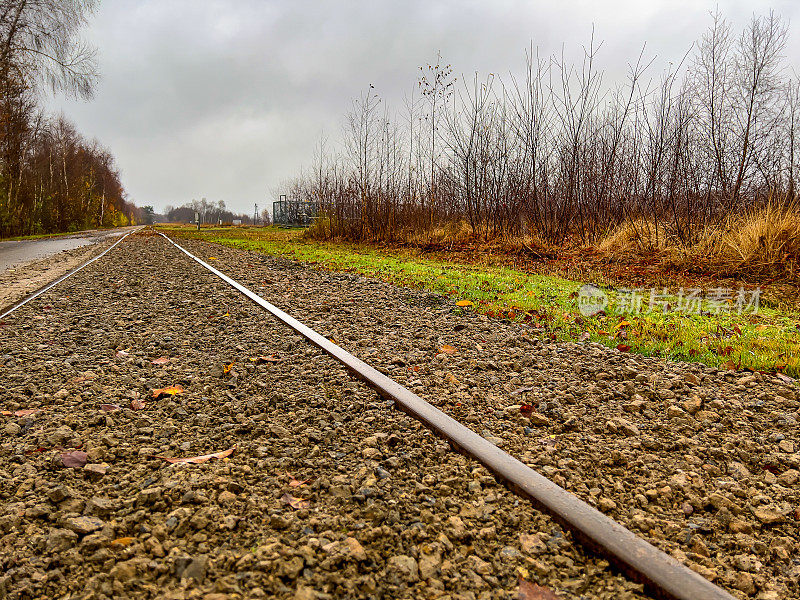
[329, 493]
[23, 279]
[701, 462]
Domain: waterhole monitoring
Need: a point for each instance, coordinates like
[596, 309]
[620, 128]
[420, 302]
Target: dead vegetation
[697, 169]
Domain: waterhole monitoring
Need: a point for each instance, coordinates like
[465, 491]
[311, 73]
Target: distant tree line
[51, 177]
[560, 155]
[211, 213]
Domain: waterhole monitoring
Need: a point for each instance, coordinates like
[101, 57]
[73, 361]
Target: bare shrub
[560, 157]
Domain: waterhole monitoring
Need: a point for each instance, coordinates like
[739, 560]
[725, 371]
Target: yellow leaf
[168, 391]
[123, 541]
[212, 258]
[448, 349]
[623, 324]
[228, 368]
[464, 303]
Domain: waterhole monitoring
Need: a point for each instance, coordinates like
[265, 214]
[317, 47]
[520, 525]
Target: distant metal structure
[294, 213]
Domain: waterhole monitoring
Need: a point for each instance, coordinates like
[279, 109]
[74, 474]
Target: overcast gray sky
[226, 99]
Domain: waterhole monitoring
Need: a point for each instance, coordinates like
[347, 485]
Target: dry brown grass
[634, 237]
[760, 242]
[763, 241]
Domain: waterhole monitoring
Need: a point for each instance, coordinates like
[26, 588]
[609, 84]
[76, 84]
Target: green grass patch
[37, 236]
[714, 333]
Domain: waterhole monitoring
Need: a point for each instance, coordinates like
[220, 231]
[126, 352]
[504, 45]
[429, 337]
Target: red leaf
[294, 482]
[76, 459]
[623, 347]
[265, 359]
[20, 413]
[526, 409]
[531, 591]
[295, 502]
[196, 460]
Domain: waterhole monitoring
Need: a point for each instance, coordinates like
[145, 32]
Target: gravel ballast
[703, 463]
[327, 491]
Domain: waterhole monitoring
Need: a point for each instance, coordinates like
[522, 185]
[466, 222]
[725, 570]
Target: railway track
[662, 575]
[5, 311]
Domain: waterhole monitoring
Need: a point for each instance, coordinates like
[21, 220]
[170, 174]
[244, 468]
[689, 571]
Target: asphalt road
[16, 252]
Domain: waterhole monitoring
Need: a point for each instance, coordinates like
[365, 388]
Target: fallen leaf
[137, 404]
[20, 413]
[465, 303]
[623, 324]
[623, 347]
[522, 390]
[160, 361]
[729, 365]
[196, 460]
[228, 368]
[76, 459]
[448, 349]
[212, 258]
[295, 502]
[531, 591]
[526, 409]
[265, 359]
[167, 391]
[110, 407]
[123, 541]
[294, 482]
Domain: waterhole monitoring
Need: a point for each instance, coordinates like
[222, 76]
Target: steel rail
[662, 575]
[44, 288]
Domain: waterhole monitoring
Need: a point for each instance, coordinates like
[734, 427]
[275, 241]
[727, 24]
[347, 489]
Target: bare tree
[758, 64]
[40, 44]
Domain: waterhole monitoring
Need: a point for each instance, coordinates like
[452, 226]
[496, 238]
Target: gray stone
[12, 429]
[196, 569]
[84, 525]
[405, 566]
[60, 540]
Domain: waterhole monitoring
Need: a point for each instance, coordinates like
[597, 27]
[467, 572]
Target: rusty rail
[44, 288]
[662, 575]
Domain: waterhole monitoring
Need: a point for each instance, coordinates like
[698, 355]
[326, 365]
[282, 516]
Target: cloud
[227, 99]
